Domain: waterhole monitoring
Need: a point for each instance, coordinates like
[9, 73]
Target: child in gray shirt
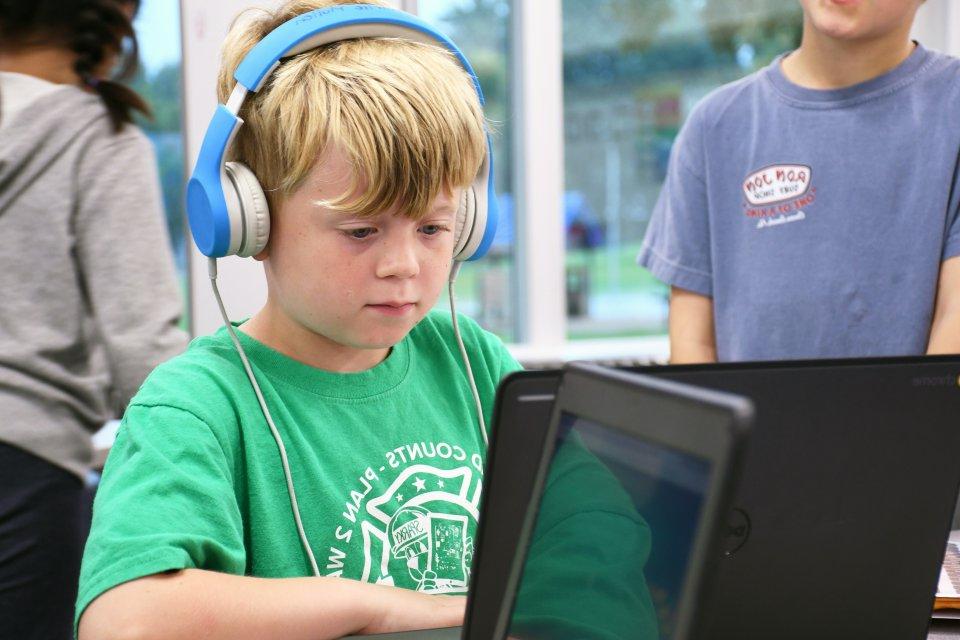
[810, 209]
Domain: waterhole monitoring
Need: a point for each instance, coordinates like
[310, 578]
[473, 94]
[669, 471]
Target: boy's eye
[360, 234]
[432, 229]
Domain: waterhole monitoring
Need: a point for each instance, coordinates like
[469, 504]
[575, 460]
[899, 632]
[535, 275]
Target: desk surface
[939, 630]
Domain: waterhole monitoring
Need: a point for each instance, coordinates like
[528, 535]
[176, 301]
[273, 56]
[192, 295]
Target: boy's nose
[399, 260]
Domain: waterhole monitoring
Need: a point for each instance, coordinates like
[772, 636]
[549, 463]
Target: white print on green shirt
[416, 533]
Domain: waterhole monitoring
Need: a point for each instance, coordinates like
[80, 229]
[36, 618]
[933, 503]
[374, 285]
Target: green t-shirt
[387, 465]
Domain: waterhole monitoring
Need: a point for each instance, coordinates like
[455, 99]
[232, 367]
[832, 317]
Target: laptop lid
[845, 499]
[621, 532]
[521, 416]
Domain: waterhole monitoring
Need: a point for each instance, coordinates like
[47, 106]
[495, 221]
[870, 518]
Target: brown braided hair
[93, 29]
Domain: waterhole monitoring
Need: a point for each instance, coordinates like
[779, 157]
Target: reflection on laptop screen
[613, 534]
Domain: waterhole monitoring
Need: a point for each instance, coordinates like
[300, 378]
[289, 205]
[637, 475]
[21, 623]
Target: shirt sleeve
[126, 265]
[166, 502]
[676, 248]
[951, 246]
[587, 533]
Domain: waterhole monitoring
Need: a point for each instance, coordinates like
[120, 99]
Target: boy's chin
[843, 32]
[841, 27]
[382, 337]
[374, 330]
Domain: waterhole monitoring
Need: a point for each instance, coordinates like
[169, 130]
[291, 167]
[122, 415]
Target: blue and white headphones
[226, 206]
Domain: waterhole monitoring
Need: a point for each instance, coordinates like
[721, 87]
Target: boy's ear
[264, 253]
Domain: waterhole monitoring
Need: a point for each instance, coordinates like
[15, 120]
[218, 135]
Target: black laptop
[845, 499]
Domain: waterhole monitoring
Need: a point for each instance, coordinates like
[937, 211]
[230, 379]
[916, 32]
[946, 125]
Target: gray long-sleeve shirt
[89, 301]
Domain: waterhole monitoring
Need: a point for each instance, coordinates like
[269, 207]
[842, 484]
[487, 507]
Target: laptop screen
[612, 537]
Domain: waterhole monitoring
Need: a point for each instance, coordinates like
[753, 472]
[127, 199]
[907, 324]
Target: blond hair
[406, 114]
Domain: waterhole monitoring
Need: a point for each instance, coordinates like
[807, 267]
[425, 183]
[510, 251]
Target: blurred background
[585, 98]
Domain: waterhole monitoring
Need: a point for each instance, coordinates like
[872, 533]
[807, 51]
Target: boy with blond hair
[364, 148]
[810, 209]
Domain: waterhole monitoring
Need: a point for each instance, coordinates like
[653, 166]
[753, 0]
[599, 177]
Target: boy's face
[357, 282]
[859, 19]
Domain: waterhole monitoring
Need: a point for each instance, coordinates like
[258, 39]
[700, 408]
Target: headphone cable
[212, 269]
[463, 351]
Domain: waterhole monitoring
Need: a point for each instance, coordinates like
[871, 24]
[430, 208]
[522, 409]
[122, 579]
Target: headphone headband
[333, 24]
[216, 214]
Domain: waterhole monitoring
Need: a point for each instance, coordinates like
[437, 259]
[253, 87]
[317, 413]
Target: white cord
[212, 269]
[463, 352]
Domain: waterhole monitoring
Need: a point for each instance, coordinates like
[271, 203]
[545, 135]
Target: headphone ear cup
[464, 223]
[254, 208]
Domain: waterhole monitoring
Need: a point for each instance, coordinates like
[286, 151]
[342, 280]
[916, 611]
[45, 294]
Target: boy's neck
[303, 345]
[824, 62]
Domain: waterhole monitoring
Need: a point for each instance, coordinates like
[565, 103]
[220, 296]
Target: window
[632, 70]
[159, 81]
[480, 28]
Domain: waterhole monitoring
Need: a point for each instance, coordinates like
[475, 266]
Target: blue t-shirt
[817, 220]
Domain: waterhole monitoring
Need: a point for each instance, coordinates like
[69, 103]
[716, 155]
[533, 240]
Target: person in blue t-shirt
[810, 209]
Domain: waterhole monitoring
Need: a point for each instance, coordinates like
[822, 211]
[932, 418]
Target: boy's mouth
[394, 308]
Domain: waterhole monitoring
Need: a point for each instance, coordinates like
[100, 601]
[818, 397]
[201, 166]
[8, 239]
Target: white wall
[938, 26]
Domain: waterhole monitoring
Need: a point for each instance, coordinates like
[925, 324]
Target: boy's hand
[405, 610]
